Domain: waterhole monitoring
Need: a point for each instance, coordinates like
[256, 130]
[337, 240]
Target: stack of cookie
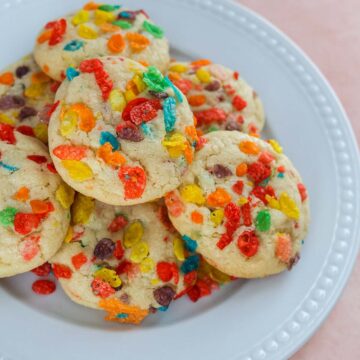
[139, 179]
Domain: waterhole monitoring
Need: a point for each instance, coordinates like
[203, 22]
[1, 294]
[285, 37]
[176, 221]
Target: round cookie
[100, 30]
[125, 260]
[218, 96]
[243, 204]
[120, 132]
[34, 204]
[26, 97]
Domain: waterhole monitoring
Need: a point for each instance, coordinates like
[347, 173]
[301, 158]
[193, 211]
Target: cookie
[120, 132]
[125, 260]
[243, 204]
[218, 96]
[34, 204]
[26, 97]
[100, 30]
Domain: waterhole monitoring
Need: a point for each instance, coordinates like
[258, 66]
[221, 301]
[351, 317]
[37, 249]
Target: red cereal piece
[43, 287]
[104, 82]
[119, 250]
[26, 130]
[302, 191]
[224, 241]
[236, 75]
[58, 30]
[39, 159]
[194, 293]
[246, 214]
[184, 85]
[51, 168]
[42, 270]
[204, 287]
[53, 108]
[70, 152]
[7, 133]
[29, 247]
[266, 158]
[238, 187]
[174, 204]
[61, 271]
[24, 223]
[248, 243]
[261, 192]
[134, 181]
[124, 267]
[190, 278]
[141, 110]
[232, 214]
[54, 88]
[239, 103]
[118, 223]
[91, 65]
[210, 116]
[164, 271]
[258, 172]
[79, 260]
[102, 288]
[164, 218]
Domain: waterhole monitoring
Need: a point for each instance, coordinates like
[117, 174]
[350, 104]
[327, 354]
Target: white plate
[263, 319]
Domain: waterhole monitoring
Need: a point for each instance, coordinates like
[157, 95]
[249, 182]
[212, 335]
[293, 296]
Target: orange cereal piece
[22, 194]
[116, 44]
[46, 68]
[109, 28]
[91, 6]
[39, 78]
[86, 117]
[188, 153]
[117, 311]
[174, 76]
[7, 78]
[201, 62]
[40, 206]
[192, 133]
[219, 198]
[249, 147]
[137, 41]
[283, 247]
[197, 100]
[110, 157]
[241, 169]
[196, 217]
[44, 36]
[143, 62]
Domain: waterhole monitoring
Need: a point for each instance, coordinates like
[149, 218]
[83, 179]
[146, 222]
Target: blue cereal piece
[169, 108]
[190, 244]
[190, 264]
[177, 92]
[74, 45]
[71, 73]
[122, 316]
[106, 136]
[8, 167]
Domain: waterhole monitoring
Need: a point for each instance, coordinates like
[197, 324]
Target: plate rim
[293, 333]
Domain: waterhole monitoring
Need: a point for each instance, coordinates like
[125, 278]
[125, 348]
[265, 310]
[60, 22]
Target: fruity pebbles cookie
[100, 30]
[120, 132]
[34, 204]
[218, 96]
[26, 97]
[243, 206]
[125, 260]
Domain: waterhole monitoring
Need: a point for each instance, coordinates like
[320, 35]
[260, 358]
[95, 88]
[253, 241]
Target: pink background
[329, 32]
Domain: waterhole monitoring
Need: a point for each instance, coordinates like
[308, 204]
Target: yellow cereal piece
[193, 194]
[86, 32]
[130, 95]
[154, 281]
[179, 249]
[69, 235]
[102, 17]
[34, 91]
[80, 17]
[77, 170]
[41, 132]
[217, 217]
[117, 100]
[147, 265]
[68, 122]
[288, 206]
[4, 119]
[243, 200]
[108, 276]
[219, 276]
[65, 195]
[179, 68]
[175, 145]
[203, 75]
[276, 146]
[82, 209]
[133, 234]
[139, 252]
[272, 202]
[140, 85]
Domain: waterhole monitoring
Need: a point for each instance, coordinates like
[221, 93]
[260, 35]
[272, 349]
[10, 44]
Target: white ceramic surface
[262, 319]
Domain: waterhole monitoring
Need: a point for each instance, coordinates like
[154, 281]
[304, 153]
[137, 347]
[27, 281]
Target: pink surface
[329, 32]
